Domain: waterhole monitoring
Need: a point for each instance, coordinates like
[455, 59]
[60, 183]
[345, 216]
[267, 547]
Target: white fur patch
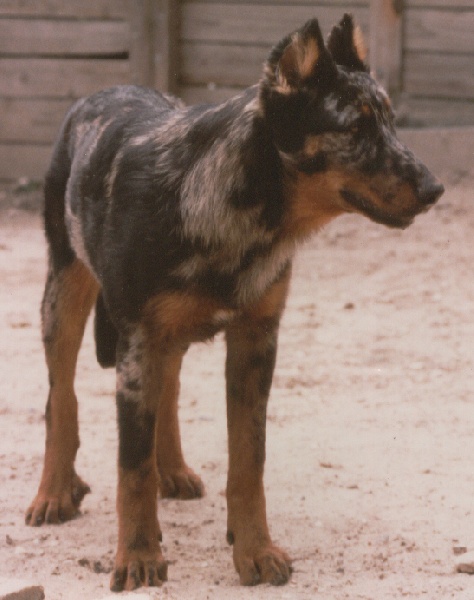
[130, 370]
[205, 192]
[264, 271]
[342, 117]
[76, 237]
[222, 317]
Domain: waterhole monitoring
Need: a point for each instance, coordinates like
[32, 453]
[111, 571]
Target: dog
[179, 222]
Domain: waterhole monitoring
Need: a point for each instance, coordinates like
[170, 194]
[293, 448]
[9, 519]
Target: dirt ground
[369, 478]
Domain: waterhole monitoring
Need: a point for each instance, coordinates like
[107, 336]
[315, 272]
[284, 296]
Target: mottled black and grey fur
[182, 221]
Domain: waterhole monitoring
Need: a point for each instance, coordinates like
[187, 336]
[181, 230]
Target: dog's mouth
[363, 205]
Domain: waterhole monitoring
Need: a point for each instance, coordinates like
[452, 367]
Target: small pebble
[465, 563]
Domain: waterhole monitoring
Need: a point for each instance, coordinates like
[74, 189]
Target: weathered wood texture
[47, 36]
[423, 55]
[224, 44]
[386, 45]
[54, 51]
[438, 62]
[76, 9]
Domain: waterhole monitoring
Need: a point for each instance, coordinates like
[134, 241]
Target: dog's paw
[269, 564]
[139, 572]
[56, 506]
[183, 484]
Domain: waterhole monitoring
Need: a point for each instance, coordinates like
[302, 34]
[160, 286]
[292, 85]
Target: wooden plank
[20, 160]
[341, 4]
[166, 25]
[66, 78]
[439, 30]
[386, 45]
[42, 36]
[255, 24]
[233, 65]
[446, 4]
[439, 75]
[96, 9]
[31, 120]
[141, 44]
[427, 112]
[154, 43]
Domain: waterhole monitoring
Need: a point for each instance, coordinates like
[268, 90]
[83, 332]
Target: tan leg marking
[139, 560]
[68, 300]
[177, 480]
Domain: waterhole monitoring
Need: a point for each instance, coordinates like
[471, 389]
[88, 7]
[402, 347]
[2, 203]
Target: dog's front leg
[139, 559]
[251, 353]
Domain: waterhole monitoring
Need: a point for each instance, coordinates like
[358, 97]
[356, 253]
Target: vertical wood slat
[386, 44]
[154, 43]
[141, 36]
[165, 47]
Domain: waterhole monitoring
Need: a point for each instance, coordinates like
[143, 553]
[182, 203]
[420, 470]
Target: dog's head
[333, 126]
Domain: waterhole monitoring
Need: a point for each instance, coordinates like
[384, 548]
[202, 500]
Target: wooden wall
[51, 52]
[224, 43]
[438, 62]
[54, 51]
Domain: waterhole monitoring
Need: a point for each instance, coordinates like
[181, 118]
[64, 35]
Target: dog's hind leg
[177, 480]
[68, 299]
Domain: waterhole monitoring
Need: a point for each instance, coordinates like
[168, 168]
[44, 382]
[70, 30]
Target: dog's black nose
[430, 190]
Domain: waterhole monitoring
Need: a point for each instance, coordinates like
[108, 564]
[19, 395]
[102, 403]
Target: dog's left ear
[301, 59]
[346, 45]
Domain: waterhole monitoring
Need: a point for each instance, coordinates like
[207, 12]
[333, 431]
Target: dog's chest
[237, 279]
[186, 317]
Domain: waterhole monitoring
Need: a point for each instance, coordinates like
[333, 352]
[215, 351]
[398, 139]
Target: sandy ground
[369, 478]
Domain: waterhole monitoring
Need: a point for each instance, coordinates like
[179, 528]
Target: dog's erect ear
[300, 59]
[346, 45]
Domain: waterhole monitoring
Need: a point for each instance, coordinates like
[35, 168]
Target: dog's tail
[61, 253]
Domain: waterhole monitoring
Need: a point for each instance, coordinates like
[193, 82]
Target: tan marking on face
[366, 110]
[314, 202]
[379, 189]
[312, 145]
[315, 199]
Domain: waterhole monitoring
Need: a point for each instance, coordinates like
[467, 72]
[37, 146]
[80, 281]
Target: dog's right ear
[300, 60]
[347, 46]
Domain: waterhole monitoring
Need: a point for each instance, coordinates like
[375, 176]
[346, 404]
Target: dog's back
[98, 125]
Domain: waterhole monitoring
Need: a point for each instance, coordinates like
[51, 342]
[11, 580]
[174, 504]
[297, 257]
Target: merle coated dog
[180, 222]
